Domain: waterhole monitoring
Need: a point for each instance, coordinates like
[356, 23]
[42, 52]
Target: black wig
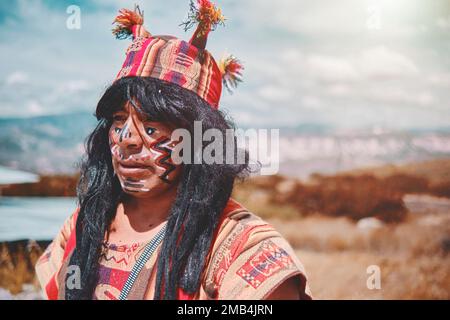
[202, 193]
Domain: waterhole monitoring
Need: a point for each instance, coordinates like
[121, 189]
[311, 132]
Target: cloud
[17, 77]
[443, 23]
[339, 90]
[275, 93]
[34, 107]
[382, 62]
[329, 68]
[75, 86]
[311, 102]
[440, 79]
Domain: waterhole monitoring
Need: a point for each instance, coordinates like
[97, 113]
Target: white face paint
[141, 153]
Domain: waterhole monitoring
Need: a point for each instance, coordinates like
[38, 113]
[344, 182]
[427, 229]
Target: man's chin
[138, 193]
[134, 186]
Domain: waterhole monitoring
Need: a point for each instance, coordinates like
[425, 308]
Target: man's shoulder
[242, 222]
[249, 257]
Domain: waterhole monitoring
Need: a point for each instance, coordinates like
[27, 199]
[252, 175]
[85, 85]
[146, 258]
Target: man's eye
[118, 117]
[150, 130]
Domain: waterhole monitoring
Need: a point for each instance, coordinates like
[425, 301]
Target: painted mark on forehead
[126, 132]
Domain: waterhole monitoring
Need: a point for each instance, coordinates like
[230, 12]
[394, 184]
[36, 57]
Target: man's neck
[145, 213]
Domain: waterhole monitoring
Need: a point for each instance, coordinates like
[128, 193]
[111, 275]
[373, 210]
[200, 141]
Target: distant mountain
[303, 153]
[10, 176]
[54, 144]
[45, 144]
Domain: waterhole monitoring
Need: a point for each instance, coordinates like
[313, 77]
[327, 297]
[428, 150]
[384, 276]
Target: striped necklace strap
[145, 256]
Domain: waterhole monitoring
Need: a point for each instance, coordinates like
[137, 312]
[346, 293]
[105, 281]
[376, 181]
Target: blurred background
[360, 90]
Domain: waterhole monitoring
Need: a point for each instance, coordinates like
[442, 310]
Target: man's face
[141, 153]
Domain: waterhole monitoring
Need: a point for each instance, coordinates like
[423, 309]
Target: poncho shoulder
[51, 261]
[248, 259]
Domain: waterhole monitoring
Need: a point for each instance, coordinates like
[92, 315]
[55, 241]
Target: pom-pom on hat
[187, 64]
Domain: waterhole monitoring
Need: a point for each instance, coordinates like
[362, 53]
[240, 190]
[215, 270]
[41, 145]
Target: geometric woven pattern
[266, 261]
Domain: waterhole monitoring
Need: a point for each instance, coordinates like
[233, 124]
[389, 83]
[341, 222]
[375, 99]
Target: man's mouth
[134, 168]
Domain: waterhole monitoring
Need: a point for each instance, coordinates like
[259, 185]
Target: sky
[347, 64]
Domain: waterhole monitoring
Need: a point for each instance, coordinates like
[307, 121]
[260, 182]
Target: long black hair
[202, 193]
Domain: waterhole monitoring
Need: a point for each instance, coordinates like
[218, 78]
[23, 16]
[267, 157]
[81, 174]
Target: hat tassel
[129, 24]
[208, 16]
[231, 70]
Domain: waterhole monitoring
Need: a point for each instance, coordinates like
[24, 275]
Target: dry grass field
[413, 256]
[409, 239]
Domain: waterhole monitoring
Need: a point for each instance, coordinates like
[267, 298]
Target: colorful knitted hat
[187, 64]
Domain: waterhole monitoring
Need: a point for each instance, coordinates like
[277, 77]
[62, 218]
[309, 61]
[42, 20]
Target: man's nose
[129, 137]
